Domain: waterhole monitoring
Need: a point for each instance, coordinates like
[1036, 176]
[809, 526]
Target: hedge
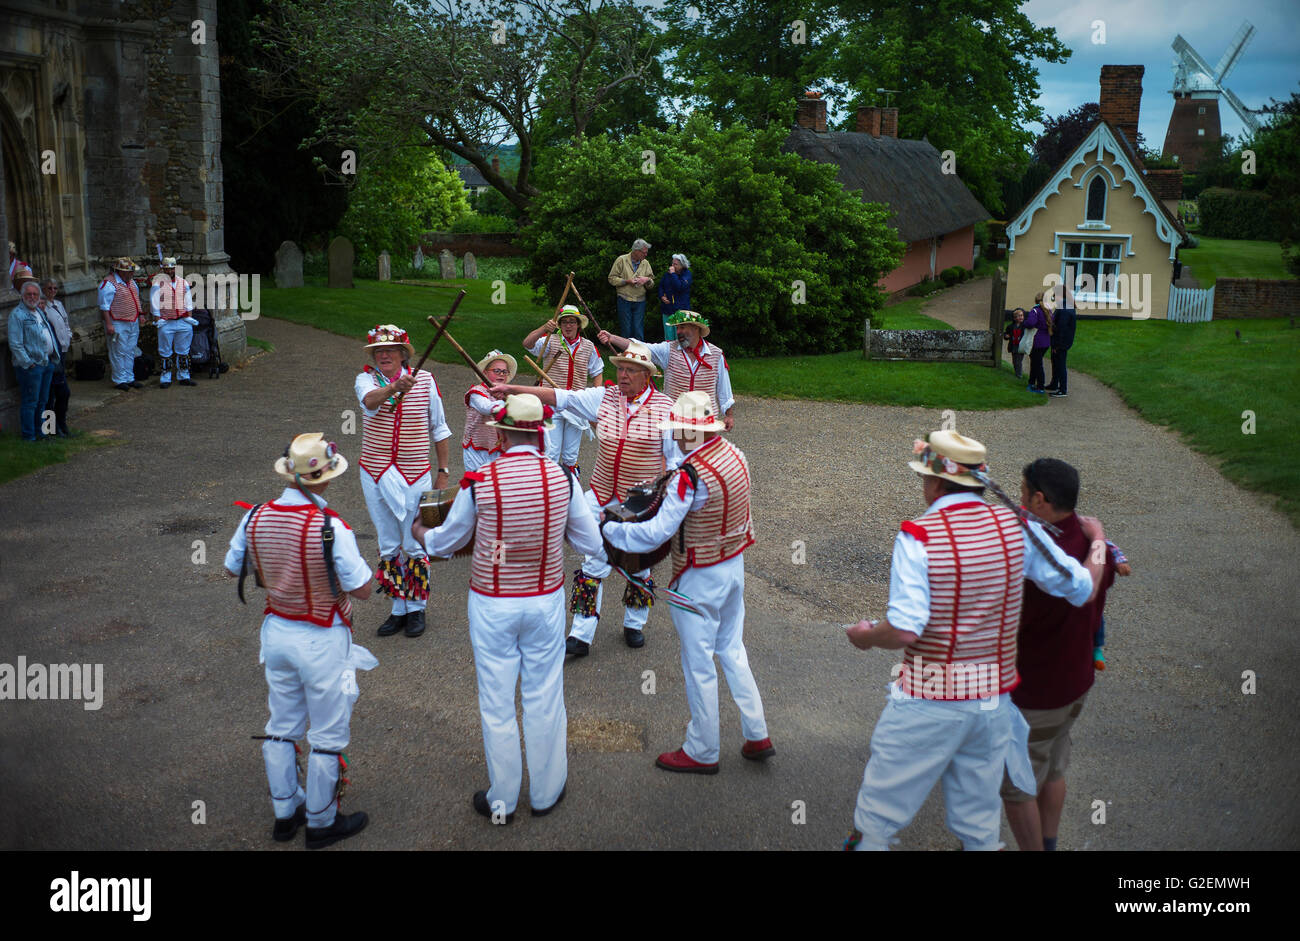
[1237, 214]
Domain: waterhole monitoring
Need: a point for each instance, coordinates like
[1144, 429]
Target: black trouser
[59, 395]
[1060, 375]
[1036, 367]
[1018, 361]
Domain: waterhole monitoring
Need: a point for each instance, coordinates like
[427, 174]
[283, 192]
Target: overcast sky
[1141, 32]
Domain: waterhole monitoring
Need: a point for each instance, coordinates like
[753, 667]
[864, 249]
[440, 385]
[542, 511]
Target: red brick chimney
[1121, 98]
[812, 112]
[869, 120]
[889, 122]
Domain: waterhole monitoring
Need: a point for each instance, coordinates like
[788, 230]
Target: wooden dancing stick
[442, 328]
[468, 359]
[567, 285]
[529, 360]
[587, 310]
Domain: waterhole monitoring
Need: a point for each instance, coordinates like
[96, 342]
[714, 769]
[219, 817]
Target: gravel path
[98, 567]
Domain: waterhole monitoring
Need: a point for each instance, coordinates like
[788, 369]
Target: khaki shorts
[1049, 746]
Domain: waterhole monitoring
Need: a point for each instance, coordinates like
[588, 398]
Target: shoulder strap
[243, 565]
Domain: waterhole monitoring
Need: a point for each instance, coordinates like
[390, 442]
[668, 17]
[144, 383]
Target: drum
[435, 505]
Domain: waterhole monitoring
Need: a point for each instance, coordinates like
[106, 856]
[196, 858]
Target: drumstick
[529, 360]
[442, 327]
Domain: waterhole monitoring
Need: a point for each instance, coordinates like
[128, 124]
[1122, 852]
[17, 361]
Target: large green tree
[784, 259]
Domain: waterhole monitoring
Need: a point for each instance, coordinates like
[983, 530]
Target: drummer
[572, 363]
[632, 449]
[479, 444]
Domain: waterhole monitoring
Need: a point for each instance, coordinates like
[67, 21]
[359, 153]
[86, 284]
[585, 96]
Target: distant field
[1234, 258]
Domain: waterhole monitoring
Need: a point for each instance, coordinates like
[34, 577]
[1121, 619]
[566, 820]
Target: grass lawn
[1234, 258]
[1198, 379]
[19, 457]
[481, 325]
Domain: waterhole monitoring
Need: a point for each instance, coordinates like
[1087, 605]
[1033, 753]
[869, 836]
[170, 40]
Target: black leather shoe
[575, 648]
[414, 623]
[64, 433]
[394, 624]
[124, 386]
[137, 385]
[344, 826]
[188, 382]
[286, 828]
[483, 808]
[633, 637]
[164, 385]
[546, 810]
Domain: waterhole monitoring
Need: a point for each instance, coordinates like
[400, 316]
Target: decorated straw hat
[568, 310]
[23, 274]
[690, 318]
[124, 264]
[312, 458]
[949, 455]
[523, 413]
[387, 334]
[169, 261]
[493, 357]
[693, 411]
[636, 354]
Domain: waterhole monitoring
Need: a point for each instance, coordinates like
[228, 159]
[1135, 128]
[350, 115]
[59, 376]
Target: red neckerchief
[695, 351]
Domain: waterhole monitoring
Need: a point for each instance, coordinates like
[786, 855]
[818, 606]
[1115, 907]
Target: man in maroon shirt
[1054, 660]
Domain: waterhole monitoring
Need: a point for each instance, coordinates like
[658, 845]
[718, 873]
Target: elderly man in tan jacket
[631, 276]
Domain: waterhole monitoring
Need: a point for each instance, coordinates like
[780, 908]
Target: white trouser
[521, 640]
[393, 505]
[719, 592]
[121, 350]
[174, 336]
[564, 440]
[310, 672]
[918, 742]
[473, 458]
[597, 566]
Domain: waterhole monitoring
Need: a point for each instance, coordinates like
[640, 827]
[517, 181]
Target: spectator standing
[1063, 322]
[629, 276]
[675, 293]
[1039, 318]
[34, 350]
[1013, 334]
[57, 317]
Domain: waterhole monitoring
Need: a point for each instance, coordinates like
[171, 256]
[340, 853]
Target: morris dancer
[479, 442]
[519, 508]
[571, 360]
[709, 500]
[955, 589]
[307, 559]
[395, 458]
[632, 450]
[171, 302]
[689, 363]
[119, 306]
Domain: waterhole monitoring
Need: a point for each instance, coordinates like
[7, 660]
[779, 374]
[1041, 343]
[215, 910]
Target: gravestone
[288, 266]
[341, 257]
[385, 267]
[418, 261]
[447, 265]
[471, 266]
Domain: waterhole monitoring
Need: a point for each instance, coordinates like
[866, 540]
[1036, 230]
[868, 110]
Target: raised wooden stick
[468, 359]
[529, 360]
[442, 328]
[587, 310]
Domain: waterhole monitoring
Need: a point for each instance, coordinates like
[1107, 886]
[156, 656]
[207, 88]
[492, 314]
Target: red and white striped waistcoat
[678, 377]
[399, 437]
[479, 435]
[976, 557]
[568, 371]
[523, 510]
[724, 526]
[126, 300]
[284, 545]
[171, 297]
[631, 449]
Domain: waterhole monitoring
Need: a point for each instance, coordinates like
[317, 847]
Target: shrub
[479, 222]
[950, 276]
[1237, 214]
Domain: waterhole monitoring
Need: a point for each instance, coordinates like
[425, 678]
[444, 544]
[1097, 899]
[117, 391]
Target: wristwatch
[444, 470]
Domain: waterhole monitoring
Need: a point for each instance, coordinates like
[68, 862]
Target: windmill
[1197, 88]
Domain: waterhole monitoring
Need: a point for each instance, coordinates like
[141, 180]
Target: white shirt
[155, 294]
[909, 575]
[595, 365]
[438, 430]
[57, 317]
[352, 570]
[481, 402]
[581, 531]
[652, 533]
[661, 353]
[585, 403]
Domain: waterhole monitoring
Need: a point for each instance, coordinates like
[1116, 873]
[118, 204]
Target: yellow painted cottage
[1102, 225]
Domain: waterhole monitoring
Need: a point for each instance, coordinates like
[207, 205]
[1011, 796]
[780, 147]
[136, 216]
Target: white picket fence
[1190, 305]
